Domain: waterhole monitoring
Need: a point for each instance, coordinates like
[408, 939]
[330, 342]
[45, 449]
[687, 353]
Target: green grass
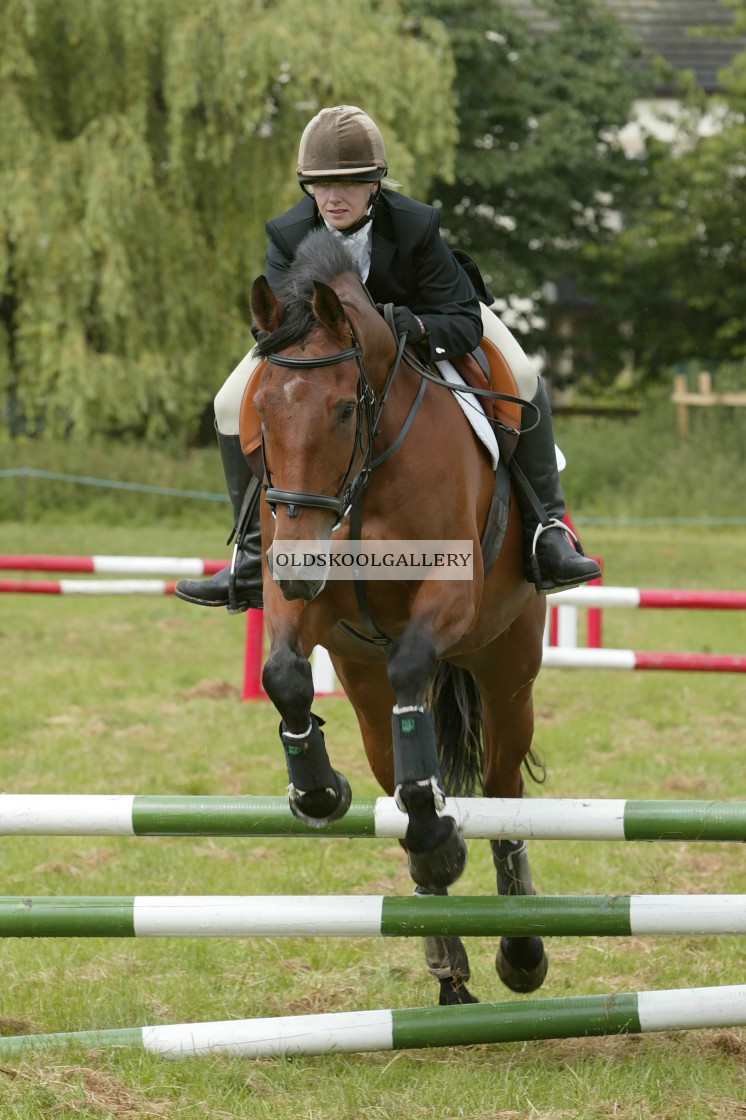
[631, 468]
[640, 468]
[141, 695]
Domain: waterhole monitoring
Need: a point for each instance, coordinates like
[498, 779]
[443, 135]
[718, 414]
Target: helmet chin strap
[367, 216]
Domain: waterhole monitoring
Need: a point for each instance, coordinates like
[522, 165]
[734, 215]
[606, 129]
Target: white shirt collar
[359, 244]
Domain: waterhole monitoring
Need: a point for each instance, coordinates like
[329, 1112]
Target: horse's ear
[328, 310]
[265, 306]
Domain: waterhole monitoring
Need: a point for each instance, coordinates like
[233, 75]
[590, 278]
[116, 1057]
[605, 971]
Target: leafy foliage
[673, 285]
[144, 146]
[539, 163]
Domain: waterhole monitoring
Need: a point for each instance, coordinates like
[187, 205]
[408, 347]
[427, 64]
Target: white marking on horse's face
[294, 384]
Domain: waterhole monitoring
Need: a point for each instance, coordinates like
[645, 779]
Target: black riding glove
[406, 322]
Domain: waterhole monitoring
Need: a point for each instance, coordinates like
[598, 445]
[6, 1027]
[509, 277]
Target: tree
[539, 166]
[673, 285]
[144, 145]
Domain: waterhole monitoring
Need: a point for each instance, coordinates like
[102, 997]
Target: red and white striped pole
[253, 656]
[594, 595]
[181, 566]
[88, 586]
[580, 658]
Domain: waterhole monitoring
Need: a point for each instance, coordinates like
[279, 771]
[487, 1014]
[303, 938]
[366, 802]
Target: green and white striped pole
[415, 1027]
[371, 916]
[477, 817]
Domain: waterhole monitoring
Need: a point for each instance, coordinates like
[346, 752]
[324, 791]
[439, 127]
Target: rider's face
[342, 203]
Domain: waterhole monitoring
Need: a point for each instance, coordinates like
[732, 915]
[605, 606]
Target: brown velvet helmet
[342, 143]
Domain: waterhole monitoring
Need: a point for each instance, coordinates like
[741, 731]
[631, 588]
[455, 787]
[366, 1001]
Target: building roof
[664, 28]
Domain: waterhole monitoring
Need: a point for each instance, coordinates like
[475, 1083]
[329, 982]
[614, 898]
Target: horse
[358, 442]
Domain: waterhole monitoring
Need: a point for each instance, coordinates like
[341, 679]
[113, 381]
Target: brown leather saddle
[487, 369]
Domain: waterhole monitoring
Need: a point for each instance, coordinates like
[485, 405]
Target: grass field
[143, 696]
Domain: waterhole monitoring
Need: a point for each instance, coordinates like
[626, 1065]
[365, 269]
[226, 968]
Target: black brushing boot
[554, 559]
[239, 585]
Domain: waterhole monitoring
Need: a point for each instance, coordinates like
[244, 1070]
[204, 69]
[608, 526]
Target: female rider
[403, 260]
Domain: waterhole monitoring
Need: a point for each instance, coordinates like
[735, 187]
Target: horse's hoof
[453, 992]
[442, 865]
[525, 975]
[319, 807]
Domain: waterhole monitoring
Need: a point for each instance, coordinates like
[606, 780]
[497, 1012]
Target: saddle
[486, 368]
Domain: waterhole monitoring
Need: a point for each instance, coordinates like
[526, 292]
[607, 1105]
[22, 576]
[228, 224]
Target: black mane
[320, 256]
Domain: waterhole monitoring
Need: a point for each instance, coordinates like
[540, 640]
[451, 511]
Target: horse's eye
[346, 412]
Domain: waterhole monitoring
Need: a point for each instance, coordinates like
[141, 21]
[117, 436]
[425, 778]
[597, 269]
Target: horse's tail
[457, 711]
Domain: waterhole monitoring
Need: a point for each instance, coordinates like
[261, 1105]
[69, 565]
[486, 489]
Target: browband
[324, 360]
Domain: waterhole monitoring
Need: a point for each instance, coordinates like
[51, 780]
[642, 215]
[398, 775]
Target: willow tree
[143, 146]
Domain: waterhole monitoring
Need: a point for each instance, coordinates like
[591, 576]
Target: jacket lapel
[383, 247]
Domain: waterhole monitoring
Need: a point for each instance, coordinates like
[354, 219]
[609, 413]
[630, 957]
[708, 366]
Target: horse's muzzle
[296, 585]
[306, 589]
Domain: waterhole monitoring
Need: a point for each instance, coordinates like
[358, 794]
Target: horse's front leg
[317, 793]
[435, 848]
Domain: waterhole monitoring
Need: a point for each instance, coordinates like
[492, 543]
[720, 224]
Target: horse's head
[314, 399]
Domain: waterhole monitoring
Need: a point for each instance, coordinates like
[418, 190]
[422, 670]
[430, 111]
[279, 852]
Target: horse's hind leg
[447, 961]
[508, 723]
[317, 793]
[521, 962]
[370, 692]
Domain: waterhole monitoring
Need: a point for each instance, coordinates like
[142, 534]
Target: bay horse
[439, 673]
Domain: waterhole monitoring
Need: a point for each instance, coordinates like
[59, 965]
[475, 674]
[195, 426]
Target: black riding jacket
[411, 266]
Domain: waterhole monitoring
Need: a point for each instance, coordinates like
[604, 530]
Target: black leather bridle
[368, 419]
[368, 422]
[346, 501]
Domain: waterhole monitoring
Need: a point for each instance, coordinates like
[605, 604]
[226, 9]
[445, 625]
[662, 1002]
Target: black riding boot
[239, 585]
[554, 559]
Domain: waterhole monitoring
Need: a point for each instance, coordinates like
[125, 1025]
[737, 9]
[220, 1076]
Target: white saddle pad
[475, 415]
[473, 411]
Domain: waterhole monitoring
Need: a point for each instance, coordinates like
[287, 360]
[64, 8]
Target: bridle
[368, 421]
[346, 501]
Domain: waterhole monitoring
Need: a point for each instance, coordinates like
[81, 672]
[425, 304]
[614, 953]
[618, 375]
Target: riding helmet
[342, 142]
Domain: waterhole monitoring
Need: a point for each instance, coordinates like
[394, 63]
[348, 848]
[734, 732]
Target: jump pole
[596, 595]
[477, 817]
[112, 565]
[324, 678]
[371, 916]
[351, 1032]
[579, 658]
[562, 618]
[87, 586]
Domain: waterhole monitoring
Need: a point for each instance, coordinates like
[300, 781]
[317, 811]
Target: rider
[403, 260]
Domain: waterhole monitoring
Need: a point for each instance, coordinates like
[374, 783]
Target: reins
[420, 368]
[367, 429]
[347, 499]
[368, 421]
